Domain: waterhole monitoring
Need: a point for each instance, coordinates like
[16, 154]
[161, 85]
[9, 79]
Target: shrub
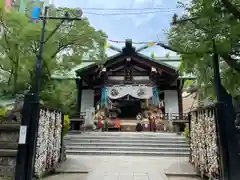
[66, 125]
[3, 112]
[186, 131]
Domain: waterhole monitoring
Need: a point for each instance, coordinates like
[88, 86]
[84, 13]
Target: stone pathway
[123, 168]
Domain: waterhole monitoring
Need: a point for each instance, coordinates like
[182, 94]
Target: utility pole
[30, 120]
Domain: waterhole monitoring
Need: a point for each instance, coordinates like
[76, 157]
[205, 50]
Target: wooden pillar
[97, 96]
[180, 102]
[180, 126]
[76, 125]
[79, 95]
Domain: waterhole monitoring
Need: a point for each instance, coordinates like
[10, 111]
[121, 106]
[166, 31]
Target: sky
[138, 27]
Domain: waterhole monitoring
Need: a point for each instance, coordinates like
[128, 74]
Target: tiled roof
[71, 74]
[172, 62]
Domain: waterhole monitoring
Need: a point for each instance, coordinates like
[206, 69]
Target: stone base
[63, 154]
[7, 172]
[128, 128]
[8, 149]
[7, 164]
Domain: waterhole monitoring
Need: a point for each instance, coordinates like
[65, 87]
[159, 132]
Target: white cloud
[155, 2]
[144, 19]
[141, 1]
[108, 4]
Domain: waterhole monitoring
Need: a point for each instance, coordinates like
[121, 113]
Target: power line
[124, 13]
[136, 42]
[128, 9]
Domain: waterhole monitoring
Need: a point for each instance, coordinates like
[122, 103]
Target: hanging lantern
[151, 44]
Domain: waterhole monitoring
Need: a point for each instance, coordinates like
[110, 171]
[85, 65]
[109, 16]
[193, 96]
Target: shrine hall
[126, 85]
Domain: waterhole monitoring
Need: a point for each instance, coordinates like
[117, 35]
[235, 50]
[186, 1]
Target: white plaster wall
[87, 100]
[171, 101]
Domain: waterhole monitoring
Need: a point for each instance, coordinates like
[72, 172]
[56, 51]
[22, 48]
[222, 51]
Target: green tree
[61, 94]
[19, 44]
[193, 41]
[232, 7]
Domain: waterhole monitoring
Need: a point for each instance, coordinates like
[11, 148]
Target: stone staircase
[127, 143]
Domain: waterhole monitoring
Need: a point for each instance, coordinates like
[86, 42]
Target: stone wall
[9, 134]
[8, 149]
[51, 122]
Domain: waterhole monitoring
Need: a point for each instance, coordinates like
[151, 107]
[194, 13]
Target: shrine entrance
[129, 109]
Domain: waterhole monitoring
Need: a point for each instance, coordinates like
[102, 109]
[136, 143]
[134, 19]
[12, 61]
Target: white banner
[139, 92]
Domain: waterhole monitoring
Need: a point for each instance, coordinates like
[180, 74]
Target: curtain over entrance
[139, 92]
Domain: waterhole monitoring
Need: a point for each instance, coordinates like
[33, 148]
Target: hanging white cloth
[139, 92]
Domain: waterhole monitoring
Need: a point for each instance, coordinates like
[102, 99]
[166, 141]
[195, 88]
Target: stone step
[113, 141]
[128, 153]
[123, 138]
[99, 135]
[121, 144]
[128, 144]
[9, 132]
[128, 148]
[8, 145]
[106, 133]
[9, 127]
[124, 133]
[8, 153]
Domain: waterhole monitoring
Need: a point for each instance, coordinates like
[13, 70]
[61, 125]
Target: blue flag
[36, 10]
[36, 13]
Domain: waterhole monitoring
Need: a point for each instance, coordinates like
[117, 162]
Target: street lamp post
[30, 119]
[224, 117]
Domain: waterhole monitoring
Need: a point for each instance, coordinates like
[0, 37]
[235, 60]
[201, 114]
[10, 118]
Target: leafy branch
[231, 8]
